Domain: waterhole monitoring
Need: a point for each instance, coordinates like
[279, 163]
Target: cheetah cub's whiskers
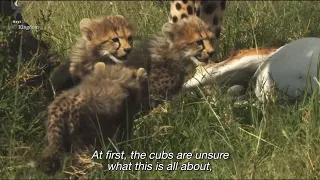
[114, 59]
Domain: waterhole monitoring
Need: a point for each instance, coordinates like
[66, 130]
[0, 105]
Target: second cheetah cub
[162, 56]
[90, 113]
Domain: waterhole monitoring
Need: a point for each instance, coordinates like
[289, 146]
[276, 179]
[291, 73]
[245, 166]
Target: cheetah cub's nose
[127, 50]
[211, 54]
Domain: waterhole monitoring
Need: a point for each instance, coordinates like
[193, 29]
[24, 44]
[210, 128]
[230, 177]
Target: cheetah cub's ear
[141, 75]
[85, 28]
[168, 31]
[99, 67]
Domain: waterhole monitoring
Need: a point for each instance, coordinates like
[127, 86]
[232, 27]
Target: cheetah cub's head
[108, 35]
[128, 78]
[191, 36]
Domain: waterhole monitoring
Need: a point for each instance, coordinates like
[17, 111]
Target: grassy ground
[283, 143]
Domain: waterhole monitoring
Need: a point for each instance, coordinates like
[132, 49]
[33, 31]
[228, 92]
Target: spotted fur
[107, 39]
[163, 55]
[90, 113]
[211, 12]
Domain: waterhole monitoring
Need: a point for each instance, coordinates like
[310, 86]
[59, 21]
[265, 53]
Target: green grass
[276, 141]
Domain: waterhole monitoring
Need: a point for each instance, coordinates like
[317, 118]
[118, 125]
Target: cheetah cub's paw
[99, 66]
[141, 74]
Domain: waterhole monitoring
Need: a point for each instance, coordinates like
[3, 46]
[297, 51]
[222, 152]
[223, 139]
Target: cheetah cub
[107, 39]
[162, 56]
[90, 113]
[211, 12]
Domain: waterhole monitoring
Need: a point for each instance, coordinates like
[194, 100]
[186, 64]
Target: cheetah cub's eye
[104, 42]
[115, 39]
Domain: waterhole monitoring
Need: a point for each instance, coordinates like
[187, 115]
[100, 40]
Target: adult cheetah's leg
[212, 12]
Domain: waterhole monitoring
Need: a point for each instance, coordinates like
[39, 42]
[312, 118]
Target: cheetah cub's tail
[60, 126]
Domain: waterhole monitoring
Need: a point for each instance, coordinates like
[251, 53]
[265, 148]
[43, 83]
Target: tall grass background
[276, 141]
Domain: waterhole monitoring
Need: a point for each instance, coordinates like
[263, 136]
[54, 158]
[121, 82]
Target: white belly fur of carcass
[289, 69]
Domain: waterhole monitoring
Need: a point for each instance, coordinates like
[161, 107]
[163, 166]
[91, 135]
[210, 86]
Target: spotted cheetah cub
[108, 39]
[90, 113]
[162, 56]
[211, 12]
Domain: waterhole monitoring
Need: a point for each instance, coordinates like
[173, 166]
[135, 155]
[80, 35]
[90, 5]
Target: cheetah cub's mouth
[121, 60]
[196, 61]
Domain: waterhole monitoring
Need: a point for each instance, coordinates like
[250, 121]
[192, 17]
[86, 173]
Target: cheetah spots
[178, 6]
[155, 78]
[203, 2]
[223, 4]
[217, 33]
[134, 75]
[61, 109]
[185, 1]
[198, 13]
[175, 19]
[215, 20]
[189, 10]
[210, 8]
[165, 81]
[183, 16]
[54, 108]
